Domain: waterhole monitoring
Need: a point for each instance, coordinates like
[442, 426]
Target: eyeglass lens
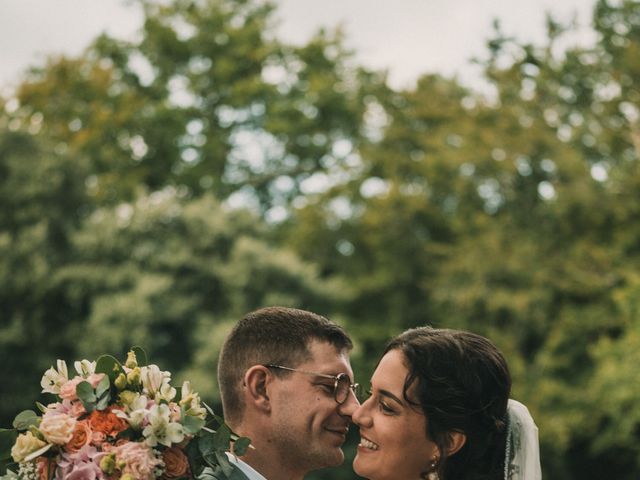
[343, 386]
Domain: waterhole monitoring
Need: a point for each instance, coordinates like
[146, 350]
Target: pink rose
[94, 379]
[57, 428]
[139, 458]
[68, 390]
[75, 409]
[98, 438]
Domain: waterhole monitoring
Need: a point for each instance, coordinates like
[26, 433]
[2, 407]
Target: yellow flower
[132, 361]
[108, 463]
[25, 445]
[133, 377]
[121, 381]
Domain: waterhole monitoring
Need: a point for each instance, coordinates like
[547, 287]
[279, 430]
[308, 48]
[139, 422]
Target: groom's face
[309, 426]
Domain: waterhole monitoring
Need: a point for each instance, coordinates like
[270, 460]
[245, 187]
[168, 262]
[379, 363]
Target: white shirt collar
[245, 468]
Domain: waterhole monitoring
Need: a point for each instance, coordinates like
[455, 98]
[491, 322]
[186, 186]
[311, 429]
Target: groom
[287, 384]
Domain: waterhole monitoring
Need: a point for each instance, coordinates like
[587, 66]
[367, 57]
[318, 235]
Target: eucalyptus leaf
[224, 463]
[110, 366]
[192, 424]
[241, 445]
[206, 443]
[222, 438]
[103, 402]
[87, 396]
[103, 393]
[103, 387]
[25, 419]
[141, 355]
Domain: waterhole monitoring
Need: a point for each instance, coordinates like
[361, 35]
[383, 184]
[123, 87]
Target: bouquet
[118, 422]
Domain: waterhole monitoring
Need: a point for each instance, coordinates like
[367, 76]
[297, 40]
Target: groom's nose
[349, 406]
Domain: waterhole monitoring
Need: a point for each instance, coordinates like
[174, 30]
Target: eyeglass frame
[353, 387]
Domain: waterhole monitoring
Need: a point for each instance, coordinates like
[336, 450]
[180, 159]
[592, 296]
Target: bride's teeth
[368, 444]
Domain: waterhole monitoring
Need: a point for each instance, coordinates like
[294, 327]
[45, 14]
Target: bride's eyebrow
[388, 394]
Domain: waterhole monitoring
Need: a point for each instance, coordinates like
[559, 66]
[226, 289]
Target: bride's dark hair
[461, 382]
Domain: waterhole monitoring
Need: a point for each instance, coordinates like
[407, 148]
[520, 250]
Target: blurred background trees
[153, 192]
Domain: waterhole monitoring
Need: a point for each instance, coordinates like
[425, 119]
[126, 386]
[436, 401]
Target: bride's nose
[361, 416]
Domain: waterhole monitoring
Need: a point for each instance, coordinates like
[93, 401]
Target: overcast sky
[407, 37]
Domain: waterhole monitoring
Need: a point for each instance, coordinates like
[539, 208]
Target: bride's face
[394, 441]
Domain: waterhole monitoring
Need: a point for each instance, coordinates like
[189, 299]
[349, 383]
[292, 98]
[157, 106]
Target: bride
[440, 409]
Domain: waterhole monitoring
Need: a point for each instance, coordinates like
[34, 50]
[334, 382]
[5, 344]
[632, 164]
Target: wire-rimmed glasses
[341, 387]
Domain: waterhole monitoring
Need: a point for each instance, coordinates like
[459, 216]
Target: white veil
[522, 456]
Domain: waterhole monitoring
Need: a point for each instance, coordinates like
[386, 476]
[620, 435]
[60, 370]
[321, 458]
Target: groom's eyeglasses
[341, 383]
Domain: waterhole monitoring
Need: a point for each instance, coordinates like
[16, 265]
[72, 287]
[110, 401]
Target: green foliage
[94, 399]
[25, 419]
[511, 214]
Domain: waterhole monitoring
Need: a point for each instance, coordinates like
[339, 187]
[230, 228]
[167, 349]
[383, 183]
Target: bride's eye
[386, 409]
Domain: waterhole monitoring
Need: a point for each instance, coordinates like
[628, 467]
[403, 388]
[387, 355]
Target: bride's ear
[456, 442]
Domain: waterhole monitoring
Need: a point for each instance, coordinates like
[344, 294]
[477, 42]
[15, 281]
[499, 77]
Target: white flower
[152, 379]
[161, 429]
[85, 368]
[167, 392]
[139, 403]
[53, 379]
[137, 411]
[191, 402]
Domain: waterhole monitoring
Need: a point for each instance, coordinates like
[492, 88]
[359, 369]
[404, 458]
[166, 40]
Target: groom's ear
[256, 384]
[456, 442]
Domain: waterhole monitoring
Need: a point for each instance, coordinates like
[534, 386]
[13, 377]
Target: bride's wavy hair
[461, 382]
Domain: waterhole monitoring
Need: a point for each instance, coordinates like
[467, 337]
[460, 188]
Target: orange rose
[107, 422]
[81, 436]
[175, 462]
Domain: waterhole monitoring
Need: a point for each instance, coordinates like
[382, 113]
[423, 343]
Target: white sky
[407, 37]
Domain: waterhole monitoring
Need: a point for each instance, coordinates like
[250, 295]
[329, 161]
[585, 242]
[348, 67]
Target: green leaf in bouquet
[103, 403]
[103, 393]
[192, 424]
[7, 440]
[25, 419]
[110, 366]
[141, 355]
[206, 442]
[195, 457]
[87, 396]
[224, 463]
[41, 407]
[241, 445]
[103, 387]
[222, 438]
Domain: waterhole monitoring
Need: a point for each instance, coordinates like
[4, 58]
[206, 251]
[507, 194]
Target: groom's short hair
[272, 335]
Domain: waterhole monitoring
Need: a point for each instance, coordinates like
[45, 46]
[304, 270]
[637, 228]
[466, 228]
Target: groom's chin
[334, 457]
